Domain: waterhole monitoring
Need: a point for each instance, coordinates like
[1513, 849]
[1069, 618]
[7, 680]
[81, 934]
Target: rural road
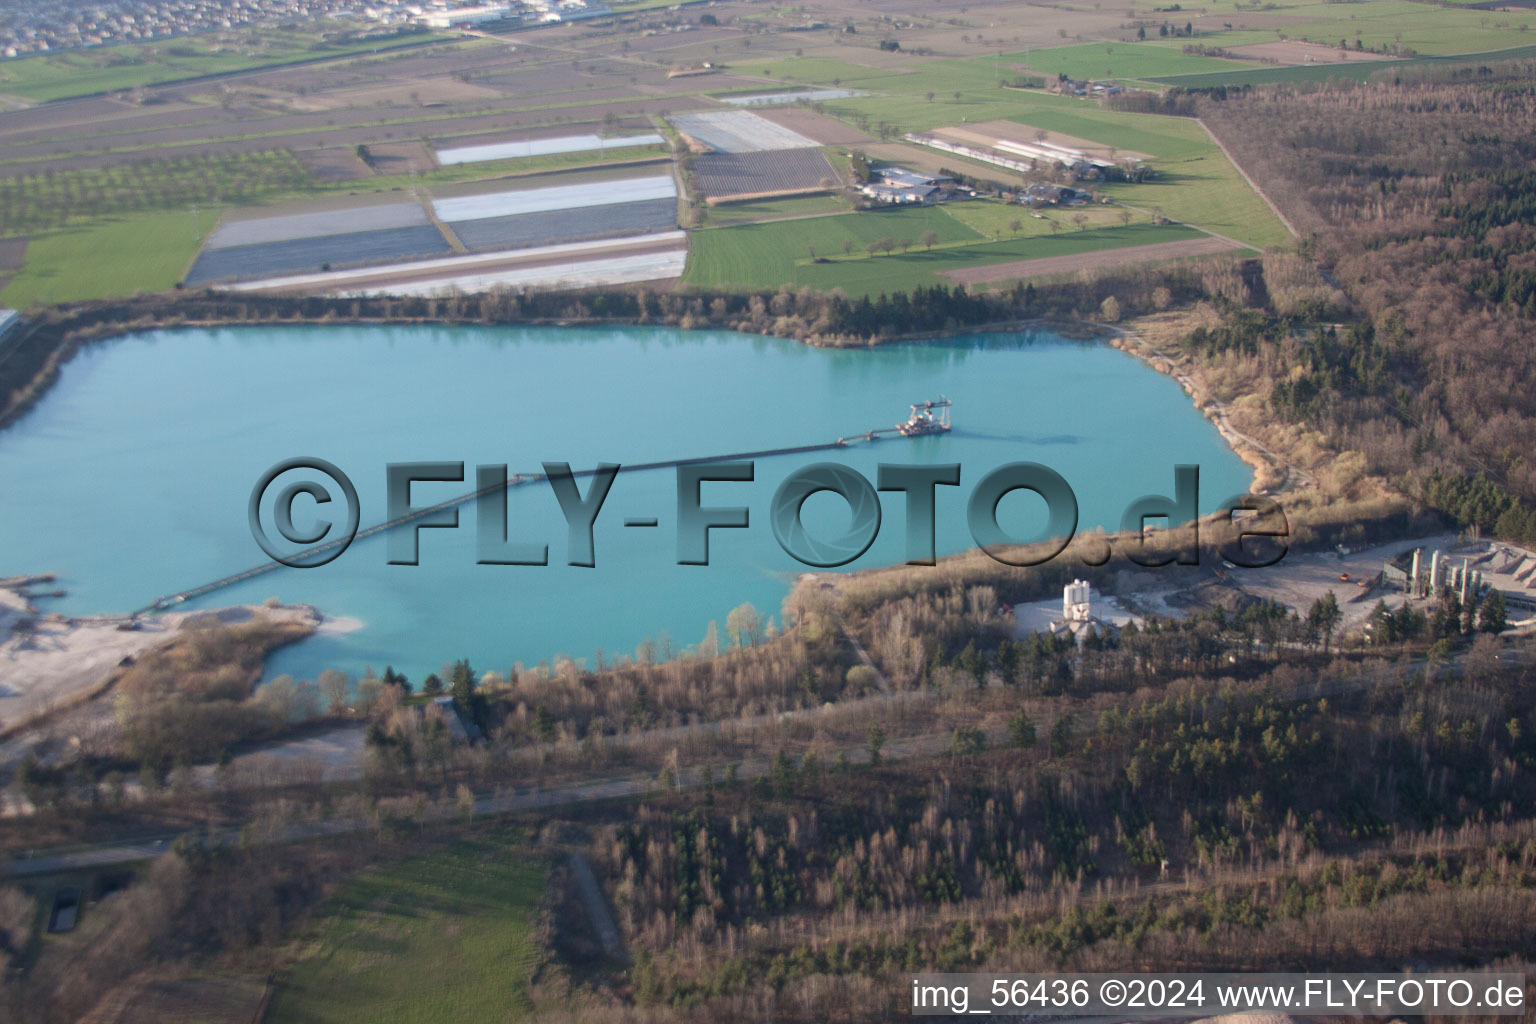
[613, 788]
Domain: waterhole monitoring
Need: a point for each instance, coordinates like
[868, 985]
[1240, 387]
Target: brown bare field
[408, 91]
[814, 126]
[313, 204]
[86, 117]
[1016, 269]
[178, 134]
[628, 125]
[986, 133]
[1294, 51]
[13, 253]
[333, 164]
[401, 158]
[753, 197]
[170, 1000]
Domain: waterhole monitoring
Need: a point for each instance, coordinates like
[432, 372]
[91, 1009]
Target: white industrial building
[462, 16]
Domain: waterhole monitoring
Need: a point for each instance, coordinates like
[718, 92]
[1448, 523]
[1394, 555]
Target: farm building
[1053, 195]
[900, 185]
[902, 176]
[882, 192]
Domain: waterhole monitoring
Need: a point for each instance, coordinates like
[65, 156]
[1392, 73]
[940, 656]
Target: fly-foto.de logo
[331, 513]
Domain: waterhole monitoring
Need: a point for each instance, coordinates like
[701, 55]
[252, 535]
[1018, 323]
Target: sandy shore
[49, 662]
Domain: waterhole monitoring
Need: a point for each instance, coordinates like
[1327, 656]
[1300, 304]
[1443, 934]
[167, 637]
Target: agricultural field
[738, 131]
[574, 224]
[658, 256]
[321, 252]
[314, 223]
[1426, 30]
[663, 263]
[993, 219]
[773, 99]
[1111, 60]
[13, 255]
[81, 73]
[724, 256]
[1195, 182]
[1356, 71]
[347, 126]
[768, 255]
[532, 147]
[44, 198]
[554, 197]
[726, 175]
[754, 210]
[107, 257]
[400, 232]
[445, 936]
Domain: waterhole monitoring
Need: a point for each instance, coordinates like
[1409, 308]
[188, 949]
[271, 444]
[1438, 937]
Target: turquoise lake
[130, 480]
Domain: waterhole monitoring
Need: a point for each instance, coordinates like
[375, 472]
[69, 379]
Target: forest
[1415, 197]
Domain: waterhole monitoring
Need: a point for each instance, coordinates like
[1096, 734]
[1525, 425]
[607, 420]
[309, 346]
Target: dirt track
[1087, 260]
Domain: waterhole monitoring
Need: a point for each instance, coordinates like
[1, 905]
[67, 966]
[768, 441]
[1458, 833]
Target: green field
[773, 209]
[124, 66]
[443, 937]
[1195, 182]
[773, 255]
[993, 218]
[117, 256]
[1360, 71]
[1421, 27]
[766, 255]
[1117, 60]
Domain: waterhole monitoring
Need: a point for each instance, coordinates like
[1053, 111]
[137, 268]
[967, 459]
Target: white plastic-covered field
[650, 266]
[738, 131]
[557, 197]
[542, 147]
[460, 268]
[292, 226]
[770, 99]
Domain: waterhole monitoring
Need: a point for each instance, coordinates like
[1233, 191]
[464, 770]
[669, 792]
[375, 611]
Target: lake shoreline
[102, 321]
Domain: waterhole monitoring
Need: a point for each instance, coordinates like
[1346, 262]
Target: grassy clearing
[1117, 60]
[766, 255]
[1358, 71]
[1206, 189]
[737, 256]
[125, 66]
[1425, 29]
[791, 70]
[1438, 30]
[992, 219]
[443, 937]
[118, 256]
